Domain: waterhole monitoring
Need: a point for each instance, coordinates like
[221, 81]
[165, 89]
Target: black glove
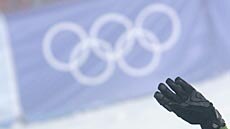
[188, 104]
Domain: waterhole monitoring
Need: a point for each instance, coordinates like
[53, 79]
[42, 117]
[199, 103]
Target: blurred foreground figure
[189, 104]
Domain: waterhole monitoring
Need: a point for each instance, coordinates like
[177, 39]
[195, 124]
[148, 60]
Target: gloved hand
[188, 104]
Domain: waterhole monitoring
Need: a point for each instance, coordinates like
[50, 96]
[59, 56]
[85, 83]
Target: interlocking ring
[47, 45]
[174, 18]
[139, 33]
[91, 43]
[115, 18]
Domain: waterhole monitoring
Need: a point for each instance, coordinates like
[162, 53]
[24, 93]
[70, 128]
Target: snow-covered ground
[143, 113]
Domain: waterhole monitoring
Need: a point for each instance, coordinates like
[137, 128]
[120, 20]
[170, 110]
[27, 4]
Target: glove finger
[162, 100]
[168, 93]
[186, 86]
[176, 88]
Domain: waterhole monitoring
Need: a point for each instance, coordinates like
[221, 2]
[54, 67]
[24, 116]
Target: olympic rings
[89, 42]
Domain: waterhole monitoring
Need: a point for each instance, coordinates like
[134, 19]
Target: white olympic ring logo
[124, 44]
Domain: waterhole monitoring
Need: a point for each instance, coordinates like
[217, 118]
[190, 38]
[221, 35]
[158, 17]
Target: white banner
[9, 106]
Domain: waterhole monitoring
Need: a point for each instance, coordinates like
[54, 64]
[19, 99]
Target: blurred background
[94, 64]
[19, 5]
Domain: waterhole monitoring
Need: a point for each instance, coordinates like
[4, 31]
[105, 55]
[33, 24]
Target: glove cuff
[217, 123]
[225, 127]
[212, 125]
